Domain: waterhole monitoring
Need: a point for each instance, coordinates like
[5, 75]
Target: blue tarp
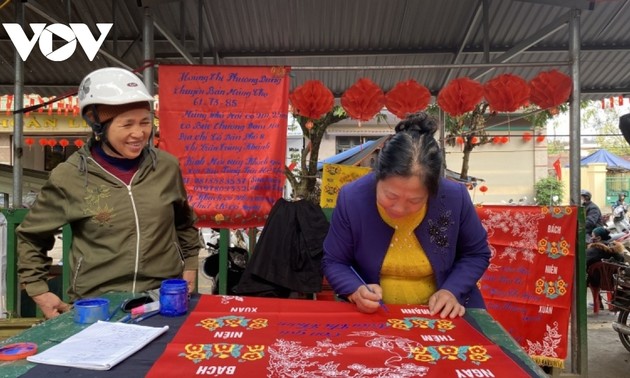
[344, 155]
[602, 156]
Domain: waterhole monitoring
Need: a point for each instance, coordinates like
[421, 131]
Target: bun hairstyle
[412, 151]
[419, 122]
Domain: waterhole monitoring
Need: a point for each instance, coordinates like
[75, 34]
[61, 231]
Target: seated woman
[599, 275]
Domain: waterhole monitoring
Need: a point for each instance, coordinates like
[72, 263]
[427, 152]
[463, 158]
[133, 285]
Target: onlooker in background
[592, 212]
[601, 247]
[619, 210]
[132, 225]
[411, 234]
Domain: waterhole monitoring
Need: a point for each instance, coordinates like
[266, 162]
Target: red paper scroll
[227, 125]
[528, 285]
[264, 337]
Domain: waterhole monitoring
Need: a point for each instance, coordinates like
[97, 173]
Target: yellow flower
[219, 217]
[421, 323]
[258, 323]
[223, 348]
[445, 324]
[540, 282]
[542, 243]
[477, 349]
[479, 357]
[250, 356]
[210, 324]
[423, 358]
[193, 348]
[450, 351]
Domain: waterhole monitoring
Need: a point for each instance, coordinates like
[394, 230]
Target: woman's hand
[50, 304]
[191, 278]
[444, 302]
[366, 300]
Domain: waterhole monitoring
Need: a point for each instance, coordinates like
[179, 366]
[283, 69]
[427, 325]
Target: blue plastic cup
[87, 311]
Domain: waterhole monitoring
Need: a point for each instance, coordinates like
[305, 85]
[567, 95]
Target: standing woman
[413, 236]
[132, 225]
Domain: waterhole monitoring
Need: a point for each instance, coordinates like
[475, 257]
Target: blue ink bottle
[173, 297]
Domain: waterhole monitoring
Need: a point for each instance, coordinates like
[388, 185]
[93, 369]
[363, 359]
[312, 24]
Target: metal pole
[579, 344]
[18, 118]
[147, 45]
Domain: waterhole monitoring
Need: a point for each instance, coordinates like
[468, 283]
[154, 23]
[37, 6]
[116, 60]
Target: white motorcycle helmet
[109, 86]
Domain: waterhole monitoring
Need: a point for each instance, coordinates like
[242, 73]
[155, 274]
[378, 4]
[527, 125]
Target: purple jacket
[451, 235]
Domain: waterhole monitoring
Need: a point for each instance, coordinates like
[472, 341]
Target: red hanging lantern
[506, 93]
[64, 143]
[29, 142]
[459, 140]
[550, 89]
[363, 100]
[52, 142]
[474, 140]
[407, 97]
[78, 143]
[312, 99]
[460, 95]
[527, 136]
[540, 138]
[496, 140]
[483, 188]
[505, 139]
[43, 142]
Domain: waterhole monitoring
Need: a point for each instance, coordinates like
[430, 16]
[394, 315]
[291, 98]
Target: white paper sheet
[99, 346]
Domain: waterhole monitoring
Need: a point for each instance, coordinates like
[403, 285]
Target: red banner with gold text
[227, 125]
[528, 286]
[271, 337]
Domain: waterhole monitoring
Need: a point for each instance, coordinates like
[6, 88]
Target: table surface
[53, 331]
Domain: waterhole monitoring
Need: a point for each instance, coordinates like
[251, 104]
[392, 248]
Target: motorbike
[238, 256]
[620, 301]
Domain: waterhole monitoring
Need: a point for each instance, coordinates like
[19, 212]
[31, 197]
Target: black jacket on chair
[287, 256]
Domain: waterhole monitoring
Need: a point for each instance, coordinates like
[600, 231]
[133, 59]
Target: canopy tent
[613, 162]
[356, 155]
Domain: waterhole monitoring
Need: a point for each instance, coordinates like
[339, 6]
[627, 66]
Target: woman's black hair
[412, 151]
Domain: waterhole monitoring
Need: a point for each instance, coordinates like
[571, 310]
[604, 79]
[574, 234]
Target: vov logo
[44, 34]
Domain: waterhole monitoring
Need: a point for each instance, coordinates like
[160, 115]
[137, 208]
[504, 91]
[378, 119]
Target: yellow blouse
[406, 274]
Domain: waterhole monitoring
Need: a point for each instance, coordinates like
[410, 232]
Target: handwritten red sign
[227, 125]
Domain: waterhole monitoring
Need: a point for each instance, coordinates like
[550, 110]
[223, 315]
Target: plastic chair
[601, 278]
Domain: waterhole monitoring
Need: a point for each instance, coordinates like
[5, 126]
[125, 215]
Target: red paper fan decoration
[363, 100]
[460, 95]
[407, 97]
[550, 89]
[312, 99]
[78, 143]
[506, 93]
[527, 136]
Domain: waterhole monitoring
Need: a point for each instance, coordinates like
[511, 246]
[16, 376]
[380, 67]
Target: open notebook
[100, 346]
